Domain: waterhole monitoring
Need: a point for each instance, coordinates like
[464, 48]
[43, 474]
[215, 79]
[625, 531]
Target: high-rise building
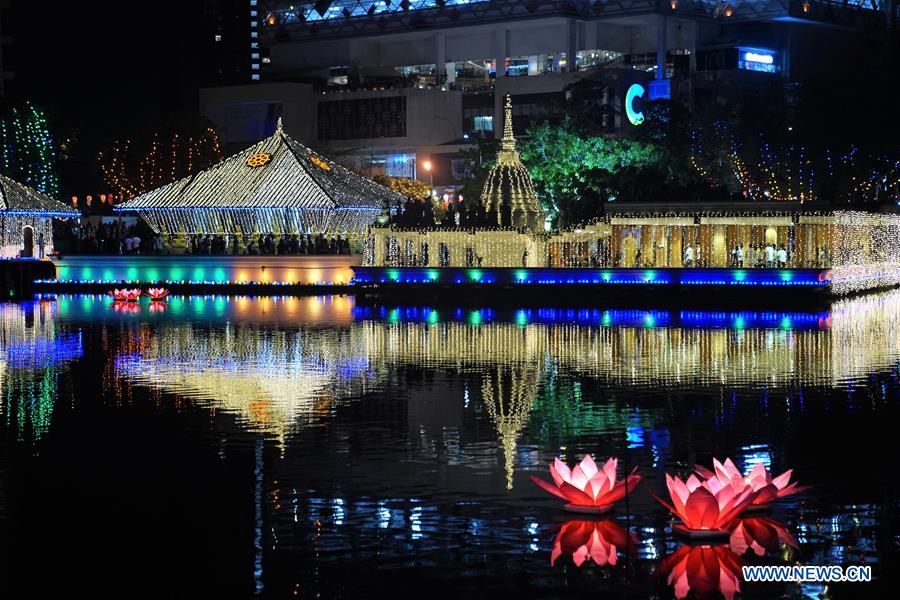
[396, 82]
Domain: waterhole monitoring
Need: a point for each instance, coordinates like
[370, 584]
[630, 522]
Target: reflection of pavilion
[269, 378]
[508, 393]
[31, 350]
[861, 335]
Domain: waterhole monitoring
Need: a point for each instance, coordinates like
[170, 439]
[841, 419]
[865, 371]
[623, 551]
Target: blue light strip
[42, 213]
[613, 276]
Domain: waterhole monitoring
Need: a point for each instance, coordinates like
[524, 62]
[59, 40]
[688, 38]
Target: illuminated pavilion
[26, 218]
[508, 186]
[276, 186]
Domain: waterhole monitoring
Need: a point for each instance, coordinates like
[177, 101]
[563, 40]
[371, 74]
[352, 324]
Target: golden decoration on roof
[319, 163]
[259, 159]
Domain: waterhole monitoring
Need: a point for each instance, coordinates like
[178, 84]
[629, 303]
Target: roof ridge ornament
[508, 142]
[279, 128]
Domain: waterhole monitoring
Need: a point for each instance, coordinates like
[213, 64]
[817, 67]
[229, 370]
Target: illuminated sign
[757, 59]
[635, 91]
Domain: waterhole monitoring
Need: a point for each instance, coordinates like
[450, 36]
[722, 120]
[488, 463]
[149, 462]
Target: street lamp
[428, 166]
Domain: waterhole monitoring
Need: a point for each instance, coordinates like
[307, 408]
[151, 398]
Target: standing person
[40, 242]
[689, 256]
[136, 244]
[740, 255]
[770, 256]
[782, 257]
[751, 256]
[127, 245]
[158, 244]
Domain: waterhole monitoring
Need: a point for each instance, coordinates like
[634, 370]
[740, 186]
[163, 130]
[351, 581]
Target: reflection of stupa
[508, 395]
[508, 186]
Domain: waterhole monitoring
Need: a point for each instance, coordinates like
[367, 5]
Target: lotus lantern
[126, 294]
[587, 488]
[706, 508]
[759, 480]
[157, 293]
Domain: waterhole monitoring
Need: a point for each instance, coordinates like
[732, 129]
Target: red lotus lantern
[759, 534]
[758, 479]
[598, 541]
[703, 571]
[157, 293]
[126, 295]
[587, 488]
[707, 509]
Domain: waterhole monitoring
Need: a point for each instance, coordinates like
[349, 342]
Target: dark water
[310, 448]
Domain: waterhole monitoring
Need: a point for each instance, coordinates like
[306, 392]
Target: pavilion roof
[19, 198]
[276, 173]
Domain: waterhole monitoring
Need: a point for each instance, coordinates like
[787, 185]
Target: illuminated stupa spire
[508, 187]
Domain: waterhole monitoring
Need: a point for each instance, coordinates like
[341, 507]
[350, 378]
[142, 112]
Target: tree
[28, 152]
[568, 166]
[410, 188]
[132, 168]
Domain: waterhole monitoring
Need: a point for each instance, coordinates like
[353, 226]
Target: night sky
[103, 70]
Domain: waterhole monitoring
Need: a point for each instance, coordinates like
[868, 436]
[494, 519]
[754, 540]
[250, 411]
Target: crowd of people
[116, 238]
[421, 214]
[269, 245]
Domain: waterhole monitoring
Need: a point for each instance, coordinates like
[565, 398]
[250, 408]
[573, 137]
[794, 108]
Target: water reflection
[401, 443]
[704, 571]
[597, 540]
[33, 351]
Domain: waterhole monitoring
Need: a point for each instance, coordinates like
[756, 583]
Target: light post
[428, 167]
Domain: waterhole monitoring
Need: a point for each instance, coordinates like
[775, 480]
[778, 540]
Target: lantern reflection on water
[599, 541]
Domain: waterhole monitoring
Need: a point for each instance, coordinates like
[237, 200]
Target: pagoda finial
[508, 142]
[279, 128]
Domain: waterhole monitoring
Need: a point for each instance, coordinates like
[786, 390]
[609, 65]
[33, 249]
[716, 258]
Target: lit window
[218, 37]
[254, 77]
[255, 66]
[254, 56]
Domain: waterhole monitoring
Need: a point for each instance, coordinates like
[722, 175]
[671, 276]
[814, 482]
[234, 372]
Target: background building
[399, 84]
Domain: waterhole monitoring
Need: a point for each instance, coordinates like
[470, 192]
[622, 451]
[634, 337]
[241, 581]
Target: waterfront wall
[218, 269]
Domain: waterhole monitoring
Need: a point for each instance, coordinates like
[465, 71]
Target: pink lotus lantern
[157, 293]
[598, 541]
[758, 479]
[126, 295]
[707, 508]
[759, 534]
[587, 488]
[702, 570]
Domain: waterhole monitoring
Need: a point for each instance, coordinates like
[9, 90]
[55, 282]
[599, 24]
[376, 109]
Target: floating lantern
[588, 489]
[702, 570]
[598, 541]
[126, 294]
[758, 479]
[706, 508]
[157, 293]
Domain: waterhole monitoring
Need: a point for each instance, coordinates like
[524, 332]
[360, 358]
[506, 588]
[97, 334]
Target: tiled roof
[290, 176]
[17, 197]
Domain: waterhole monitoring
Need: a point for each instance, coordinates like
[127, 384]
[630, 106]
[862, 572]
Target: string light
[166, 160]
[28, 149]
